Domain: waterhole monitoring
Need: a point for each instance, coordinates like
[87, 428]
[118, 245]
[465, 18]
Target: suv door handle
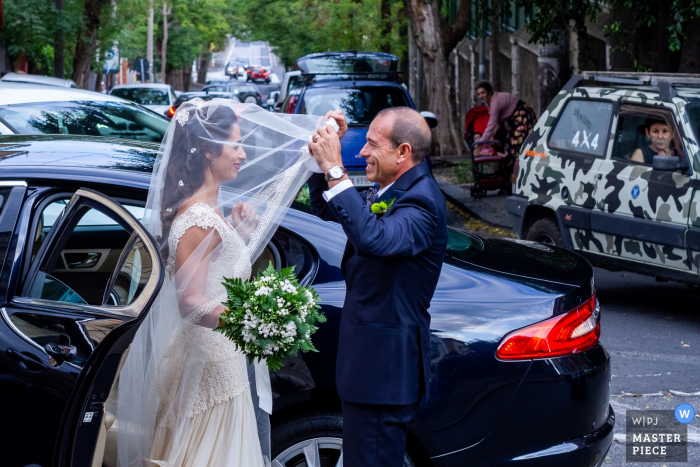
[600, 176]
[61, 352]
[25, 362]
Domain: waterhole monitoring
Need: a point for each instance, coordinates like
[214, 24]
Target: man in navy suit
[397, 235]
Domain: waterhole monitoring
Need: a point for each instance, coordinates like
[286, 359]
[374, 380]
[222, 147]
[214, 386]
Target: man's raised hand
[339, 118]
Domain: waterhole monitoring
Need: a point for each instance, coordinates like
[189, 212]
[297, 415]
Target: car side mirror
[430, 118]
[275, 95]
[270, 102]
[666, 163]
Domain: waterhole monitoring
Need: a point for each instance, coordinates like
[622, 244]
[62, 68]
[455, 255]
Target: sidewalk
[490, 209]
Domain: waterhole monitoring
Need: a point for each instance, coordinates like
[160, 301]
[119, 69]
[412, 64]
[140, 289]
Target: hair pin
[193, 150]
[181, 183]
[169, 209]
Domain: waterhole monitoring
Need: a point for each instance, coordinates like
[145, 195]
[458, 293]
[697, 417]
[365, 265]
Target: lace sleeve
[198, 215]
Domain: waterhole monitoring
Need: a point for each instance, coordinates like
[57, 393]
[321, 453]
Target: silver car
[37, 79]
[40, 109]
[155, 96]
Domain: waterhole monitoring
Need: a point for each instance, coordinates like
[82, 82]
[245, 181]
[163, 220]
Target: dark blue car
[361, 85]
[518, 375]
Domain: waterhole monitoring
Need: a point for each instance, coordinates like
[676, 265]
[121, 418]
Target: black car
[247, 93]
[517, 370]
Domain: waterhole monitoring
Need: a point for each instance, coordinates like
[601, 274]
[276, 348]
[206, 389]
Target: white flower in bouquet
[271, 316]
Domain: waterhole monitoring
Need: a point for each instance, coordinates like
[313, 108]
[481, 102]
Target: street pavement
[651, 330]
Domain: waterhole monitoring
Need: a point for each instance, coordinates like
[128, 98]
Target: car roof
[142, 85]
[614, 92]
[349, 83]
[38, 79]
[24, 93]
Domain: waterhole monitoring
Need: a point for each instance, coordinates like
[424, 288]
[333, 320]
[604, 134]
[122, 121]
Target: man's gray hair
[411, 128]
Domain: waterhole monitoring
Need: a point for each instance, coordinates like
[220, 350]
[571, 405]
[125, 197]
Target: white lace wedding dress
[221, 426]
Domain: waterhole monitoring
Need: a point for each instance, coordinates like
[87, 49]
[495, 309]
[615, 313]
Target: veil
[165, 367]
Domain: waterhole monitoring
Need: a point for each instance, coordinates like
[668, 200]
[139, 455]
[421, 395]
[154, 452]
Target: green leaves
[271, 316]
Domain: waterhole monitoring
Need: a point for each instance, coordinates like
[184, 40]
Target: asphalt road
[257, 53]
[652, 332]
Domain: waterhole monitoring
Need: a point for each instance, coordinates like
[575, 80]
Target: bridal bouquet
[271, 316]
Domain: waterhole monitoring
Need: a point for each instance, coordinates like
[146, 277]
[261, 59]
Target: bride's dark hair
[203, 131]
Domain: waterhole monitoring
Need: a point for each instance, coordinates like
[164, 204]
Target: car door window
[93, 257]
[636, 126]
[583, 126]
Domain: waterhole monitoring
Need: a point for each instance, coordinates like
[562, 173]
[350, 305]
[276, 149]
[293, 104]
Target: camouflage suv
[612, 170]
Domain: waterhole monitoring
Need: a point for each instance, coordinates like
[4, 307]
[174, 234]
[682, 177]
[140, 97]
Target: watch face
[336, 172]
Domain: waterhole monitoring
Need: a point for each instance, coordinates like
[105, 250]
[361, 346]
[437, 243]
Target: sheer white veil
[275, 167]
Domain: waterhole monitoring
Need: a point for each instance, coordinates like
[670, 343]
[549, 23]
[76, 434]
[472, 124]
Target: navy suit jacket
[391, 267]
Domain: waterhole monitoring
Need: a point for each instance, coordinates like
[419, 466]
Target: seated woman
[661, 137]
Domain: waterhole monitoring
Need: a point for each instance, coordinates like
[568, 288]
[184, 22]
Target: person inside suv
[661, 137]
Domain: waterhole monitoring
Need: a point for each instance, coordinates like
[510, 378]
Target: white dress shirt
[344, 185]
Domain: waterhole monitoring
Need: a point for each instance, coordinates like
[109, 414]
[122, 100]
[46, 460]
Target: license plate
[360, 180]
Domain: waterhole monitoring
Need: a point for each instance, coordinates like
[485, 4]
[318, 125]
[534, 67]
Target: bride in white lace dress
[184, 393]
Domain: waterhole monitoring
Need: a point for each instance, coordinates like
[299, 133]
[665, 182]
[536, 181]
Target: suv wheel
[311, 439]
[545, 231]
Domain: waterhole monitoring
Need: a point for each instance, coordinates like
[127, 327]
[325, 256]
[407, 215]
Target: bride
[224, 176]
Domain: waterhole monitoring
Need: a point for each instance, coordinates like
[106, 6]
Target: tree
[86, 45]
[435, 40]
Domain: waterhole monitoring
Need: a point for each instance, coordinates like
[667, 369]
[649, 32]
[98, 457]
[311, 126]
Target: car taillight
[260, 95]
[171, 111]
[566, 334]
[291, 104]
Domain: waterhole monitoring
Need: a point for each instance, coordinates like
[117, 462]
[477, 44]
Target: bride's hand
[239, 212]
[244, 219]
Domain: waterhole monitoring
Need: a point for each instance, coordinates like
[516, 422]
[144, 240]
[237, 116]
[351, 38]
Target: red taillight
[171, 111]
[291, 104]
[516, 166]
[260, 95]
[566, 334]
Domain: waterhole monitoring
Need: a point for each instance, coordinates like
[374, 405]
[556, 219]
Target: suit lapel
[405, 182]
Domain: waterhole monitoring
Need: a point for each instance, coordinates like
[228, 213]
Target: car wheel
[311, 439]
[546, 231]
[250, 100]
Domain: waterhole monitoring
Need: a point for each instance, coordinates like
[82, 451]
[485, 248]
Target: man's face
[380, 153]
[660, 136]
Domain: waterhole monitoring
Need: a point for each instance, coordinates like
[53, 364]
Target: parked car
[246, 92]
[40, 109]
[361, 84]
[257, 73]
[155, 96]
[237, 67]
[589, 180]
[514, 328]
[37, 79]
[207, 96]
[292, 79]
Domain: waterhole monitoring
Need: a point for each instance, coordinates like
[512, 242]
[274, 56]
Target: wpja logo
[658, 435]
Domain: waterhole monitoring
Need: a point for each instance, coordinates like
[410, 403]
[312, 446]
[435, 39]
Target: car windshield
[461, 245]
[113, 119]
[238, 89]
[143, 96]
[360, 104]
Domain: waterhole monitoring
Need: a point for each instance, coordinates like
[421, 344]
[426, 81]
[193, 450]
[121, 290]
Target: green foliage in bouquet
[271, 316]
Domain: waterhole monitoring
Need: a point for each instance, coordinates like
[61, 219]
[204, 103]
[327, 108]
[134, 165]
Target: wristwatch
[335, 172]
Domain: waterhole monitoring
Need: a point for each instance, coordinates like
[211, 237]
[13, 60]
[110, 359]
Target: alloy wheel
[314, 452]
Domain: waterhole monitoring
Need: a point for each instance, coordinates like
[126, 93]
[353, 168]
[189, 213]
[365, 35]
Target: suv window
[360, 105]
[583, 126]
[633, 132]
[144, 96]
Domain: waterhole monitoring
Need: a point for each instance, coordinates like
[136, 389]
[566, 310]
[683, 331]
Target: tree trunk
[385, 15]
[403, 39]
[186, 77]
[690, 60]
[164, 47]
[203, 66]
[58, 47]
[425, 24]
[87, 44]
[495, 52]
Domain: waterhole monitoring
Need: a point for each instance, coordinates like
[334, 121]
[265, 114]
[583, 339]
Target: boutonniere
[382, 207]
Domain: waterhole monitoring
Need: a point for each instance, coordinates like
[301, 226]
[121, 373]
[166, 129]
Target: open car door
[70, 341]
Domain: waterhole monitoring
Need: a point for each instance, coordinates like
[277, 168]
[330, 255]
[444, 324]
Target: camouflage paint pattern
[624, 188]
